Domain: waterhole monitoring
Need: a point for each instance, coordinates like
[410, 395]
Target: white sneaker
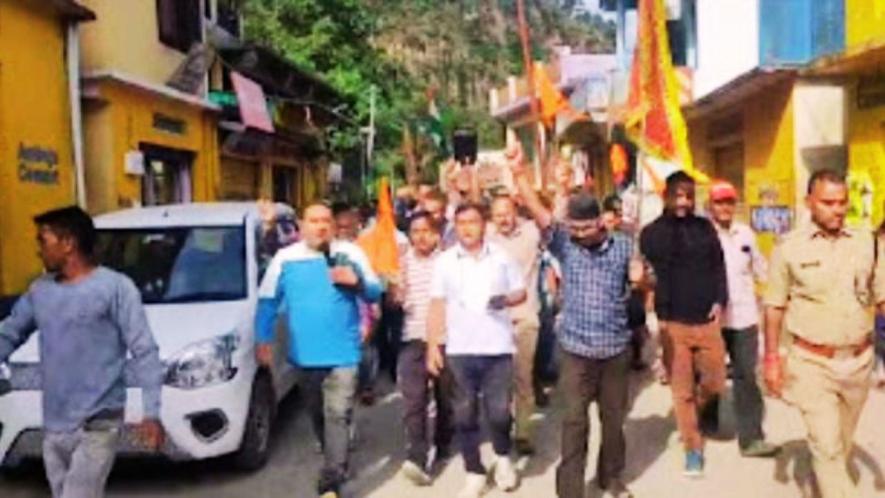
[505, 475]
[474, 487]
[415, 474]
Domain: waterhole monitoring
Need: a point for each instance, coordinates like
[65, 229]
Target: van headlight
[202, 364]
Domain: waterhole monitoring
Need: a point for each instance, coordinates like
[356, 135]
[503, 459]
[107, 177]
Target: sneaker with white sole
[415, 474]
[474, 487]
[694, 464]
[505, 474]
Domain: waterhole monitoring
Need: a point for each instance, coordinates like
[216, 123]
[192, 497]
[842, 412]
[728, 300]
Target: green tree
[460, 48]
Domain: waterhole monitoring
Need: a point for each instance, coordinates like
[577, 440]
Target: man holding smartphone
[474, 283]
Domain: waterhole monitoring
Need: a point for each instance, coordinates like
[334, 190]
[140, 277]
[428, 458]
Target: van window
[179, 265]
[284, 233]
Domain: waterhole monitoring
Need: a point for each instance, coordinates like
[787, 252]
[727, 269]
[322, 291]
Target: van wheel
[254, 450]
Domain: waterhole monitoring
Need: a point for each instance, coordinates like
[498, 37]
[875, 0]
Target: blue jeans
[329, 394]
[491, 376]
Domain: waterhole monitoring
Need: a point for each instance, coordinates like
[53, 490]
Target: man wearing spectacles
[593, 333]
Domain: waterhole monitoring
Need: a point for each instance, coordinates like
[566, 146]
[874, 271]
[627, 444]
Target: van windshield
[179, 264]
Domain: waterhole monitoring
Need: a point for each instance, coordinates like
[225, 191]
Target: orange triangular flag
[379, 242]
[552, 100]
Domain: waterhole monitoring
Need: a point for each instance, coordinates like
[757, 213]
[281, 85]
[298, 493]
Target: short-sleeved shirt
[829, 286]
[595, 292]
[416, 279]
[467, 283]
[523, 245]
[744, 266]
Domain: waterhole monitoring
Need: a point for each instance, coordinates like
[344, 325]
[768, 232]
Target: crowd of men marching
[466, 327]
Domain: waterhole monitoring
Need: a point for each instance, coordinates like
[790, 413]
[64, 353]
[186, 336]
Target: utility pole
[528, 62]
[368, 148]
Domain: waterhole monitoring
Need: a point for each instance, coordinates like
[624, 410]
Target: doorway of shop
[167, 175]
[284, 181]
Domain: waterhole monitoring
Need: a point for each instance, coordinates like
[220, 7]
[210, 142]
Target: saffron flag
[654, 117]
[619, 163]
[379, 242]
[552, 100]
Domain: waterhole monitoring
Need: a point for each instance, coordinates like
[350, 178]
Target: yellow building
[745, 133]
[860, 71]
[37, 127]
[289, 164]
[146, 142]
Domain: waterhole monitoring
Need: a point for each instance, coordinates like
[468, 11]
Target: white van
[198, 267]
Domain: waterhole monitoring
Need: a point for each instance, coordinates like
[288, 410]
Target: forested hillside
[454, 49]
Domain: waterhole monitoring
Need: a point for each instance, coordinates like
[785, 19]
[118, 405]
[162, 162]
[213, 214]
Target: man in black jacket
[690, 294]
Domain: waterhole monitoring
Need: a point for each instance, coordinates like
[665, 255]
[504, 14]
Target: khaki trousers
[523, 374]
[830, 394]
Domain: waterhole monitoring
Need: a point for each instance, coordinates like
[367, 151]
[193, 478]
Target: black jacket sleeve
[719, 271]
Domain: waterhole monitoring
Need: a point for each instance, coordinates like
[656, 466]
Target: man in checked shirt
[593, 333]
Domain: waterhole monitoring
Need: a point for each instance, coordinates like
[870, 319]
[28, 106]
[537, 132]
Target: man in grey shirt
[90, 317]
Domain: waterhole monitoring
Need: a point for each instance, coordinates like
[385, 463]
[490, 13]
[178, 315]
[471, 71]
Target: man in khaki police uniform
[824, 283]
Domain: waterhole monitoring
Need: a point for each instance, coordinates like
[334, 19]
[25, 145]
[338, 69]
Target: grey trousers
[78, 463]
[328, 394]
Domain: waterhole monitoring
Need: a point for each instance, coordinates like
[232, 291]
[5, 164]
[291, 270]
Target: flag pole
[528, 62]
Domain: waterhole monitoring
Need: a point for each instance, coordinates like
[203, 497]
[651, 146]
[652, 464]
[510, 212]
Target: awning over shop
[864, 60]
[732, 94]
[239, 140]
[278, 76]
[92, 90]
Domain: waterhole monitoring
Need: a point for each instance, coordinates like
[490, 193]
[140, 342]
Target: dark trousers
[417, 387]
[328, 394]
[491, 376]
[581, 382]
[545, 369]
[387, 338]
[743, 350]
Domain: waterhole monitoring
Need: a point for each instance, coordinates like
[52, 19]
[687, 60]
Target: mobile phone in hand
[465, 144]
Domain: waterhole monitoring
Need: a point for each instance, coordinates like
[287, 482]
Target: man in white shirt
[521, 240]
[474, 283]
[744, 266]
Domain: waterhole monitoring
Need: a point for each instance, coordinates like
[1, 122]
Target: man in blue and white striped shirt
[319, 282]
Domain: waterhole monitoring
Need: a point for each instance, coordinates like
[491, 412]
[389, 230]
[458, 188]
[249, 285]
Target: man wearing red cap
[744, 266]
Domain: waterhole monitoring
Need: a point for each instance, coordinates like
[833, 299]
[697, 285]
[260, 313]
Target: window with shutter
[180, 23]
[167, 23]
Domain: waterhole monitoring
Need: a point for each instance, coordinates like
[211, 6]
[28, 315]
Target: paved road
[654, 460]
